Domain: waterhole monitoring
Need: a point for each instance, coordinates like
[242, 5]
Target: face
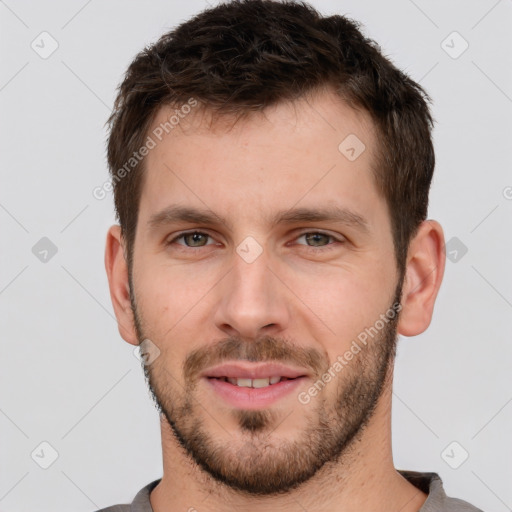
[264, 273]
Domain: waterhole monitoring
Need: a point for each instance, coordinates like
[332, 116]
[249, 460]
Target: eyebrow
[176, 213]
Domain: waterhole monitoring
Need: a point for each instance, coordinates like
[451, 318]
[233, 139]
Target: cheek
[170, 301]
[170, 288]
[348, 308]
[344, 302]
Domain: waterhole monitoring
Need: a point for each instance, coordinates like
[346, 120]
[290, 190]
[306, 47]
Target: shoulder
[458, 505]
[140, 503]
[437, 500]
[116, 508]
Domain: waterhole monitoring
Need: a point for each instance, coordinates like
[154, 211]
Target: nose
[252, 300]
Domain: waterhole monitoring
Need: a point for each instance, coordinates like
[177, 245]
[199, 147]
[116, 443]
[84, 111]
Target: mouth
[245, 385]
[253, 383]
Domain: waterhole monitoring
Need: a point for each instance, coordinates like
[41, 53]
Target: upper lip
[247, 370]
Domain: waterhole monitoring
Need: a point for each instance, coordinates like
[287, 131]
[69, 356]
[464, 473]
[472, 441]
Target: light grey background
[67, 377]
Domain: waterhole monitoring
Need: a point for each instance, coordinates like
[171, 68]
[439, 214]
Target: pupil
[314, 235]
[196, 237]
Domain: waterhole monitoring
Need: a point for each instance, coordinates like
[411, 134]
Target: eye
[192, 239]
[318, 237]
[315, 240]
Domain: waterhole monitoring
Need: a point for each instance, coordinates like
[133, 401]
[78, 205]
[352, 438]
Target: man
[271, 172]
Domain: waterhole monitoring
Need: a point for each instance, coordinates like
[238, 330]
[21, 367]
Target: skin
[192, 298]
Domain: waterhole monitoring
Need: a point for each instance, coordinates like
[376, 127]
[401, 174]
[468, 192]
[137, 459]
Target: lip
[254, 398]
[248, 370]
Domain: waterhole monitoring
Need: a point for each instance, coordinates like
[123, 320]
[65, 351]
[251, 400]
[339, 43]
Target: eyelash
[324, 248]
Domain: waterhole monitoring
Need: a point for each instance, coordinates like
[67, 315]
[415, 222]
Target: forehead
[308, 152]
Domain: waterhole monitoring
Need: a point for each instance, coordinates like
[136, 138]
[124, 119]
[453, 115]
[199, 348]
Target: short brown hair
[245, 55]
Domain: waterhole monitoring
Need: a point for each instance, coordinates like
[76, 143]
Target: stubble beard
[255, 460]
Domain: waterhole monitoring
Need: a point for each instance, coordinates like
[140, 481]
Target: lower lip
[254, 398]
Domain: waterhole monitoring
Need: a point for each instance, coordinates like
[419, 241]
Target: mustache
[265, 348]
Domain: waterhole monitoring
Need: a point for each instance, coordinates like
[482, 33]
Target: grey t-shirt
[429, 483]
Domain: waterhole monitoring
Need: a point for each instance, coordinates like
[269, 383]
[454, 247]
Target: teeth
[254, 383]
[260, 383]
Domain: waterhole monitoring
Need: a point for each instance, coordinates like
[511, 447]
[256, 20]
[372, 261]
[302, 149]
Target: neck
[364, 479]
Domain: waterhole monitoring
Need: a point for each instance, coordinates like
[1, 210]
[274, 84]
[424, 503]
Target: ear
[423, 275]
[117, 273]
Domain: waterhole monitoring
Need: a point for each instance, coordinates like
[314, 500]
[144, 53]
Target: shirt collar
[429, 483]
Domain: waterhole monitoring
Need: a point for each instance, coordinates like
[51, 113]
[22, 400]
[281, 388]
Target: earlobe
[117, 273]
[423, 276]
